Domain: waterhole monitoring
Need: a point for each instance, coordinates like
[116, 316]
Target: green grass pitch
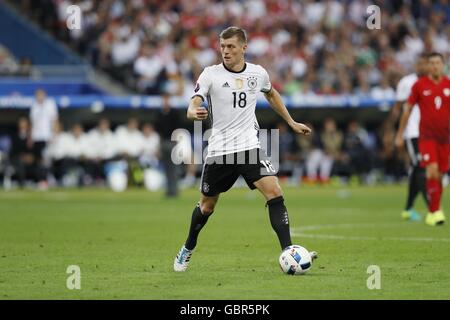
[125, 244]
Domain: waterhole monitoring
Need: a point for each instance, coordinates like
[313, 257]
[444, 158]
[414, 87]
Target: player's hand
[301, 128]
[399, 142]
[200, 113]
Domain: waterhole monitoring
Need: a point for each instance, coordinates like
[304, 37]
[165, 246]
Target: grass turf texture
[125, 245]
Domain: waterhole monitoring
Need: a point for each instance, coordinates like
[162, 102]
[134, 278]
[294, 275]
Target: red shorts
[433, 152]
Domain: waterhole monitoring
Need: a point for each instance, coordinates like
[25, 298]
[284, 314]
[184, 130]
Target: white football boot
[181, 261]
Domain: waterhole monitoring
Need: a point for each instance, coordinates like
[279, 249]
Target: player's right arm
[401, 94]
[396, 111]
[195, 110]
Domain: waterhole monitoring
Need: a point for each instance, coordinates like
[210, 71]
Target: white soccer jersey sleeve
[403, 91]
[266, 85]
[203, 85]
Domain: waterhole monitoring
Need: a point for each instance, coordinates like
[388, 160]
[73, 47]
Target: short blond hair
[232, 32]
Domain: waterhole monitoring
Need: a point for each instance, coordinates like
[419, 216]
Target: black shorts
[221, 172]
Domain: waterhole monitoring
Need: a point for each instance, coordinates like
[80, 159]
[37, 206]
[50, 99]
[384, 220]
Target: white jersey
[403, 91]
[42, 117]
[231, 98]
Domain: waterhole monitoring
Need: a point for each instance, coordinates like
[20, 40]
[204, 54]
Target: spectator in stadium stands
[103, 148]
[8, 65]
[363, 86]
[291, 85]
[21, 154]
[43, 116]
[304, 33]
[332, 140]
[166, 122]
[151, 147]
[383, 91]
[25, 67]
[149, 68]
[124, 50]
[103, 49]
[327, 74]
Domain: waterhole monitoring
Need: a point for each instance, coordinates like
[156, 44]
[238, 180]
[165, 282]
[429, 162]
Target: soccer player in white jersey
[417, 179]
[231, 89]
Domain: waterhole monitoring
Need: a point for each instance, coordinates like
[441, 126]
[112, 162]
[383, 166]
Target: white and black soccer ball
[295, 260]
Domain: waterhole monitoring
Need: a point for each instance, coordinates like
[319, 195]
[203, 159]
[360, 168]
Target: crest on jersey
[447, 92]
[239, 83]
[252, 82]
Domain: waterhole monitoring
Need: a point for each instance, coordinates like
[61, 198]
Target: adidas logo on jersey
[225, 85]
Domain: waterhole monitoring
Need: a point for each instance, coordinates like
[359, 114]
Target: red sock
[434, 191]
[440, 189]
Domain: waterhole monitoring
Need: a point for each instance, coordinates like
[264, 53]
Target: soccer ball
[295, 260]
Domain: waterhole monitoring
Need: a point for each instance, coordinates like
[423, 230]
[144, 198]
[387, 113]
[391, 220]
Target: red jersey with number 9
[434, 103]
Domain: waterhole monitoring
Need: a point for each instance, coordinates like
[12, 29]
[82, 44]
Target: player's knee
[433, 172]
[273, 192]
[207, 208]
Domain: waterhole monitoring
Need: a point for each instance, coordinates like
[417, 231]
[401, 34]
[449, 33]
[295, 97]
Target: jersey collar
[434, 82]
[243, 69]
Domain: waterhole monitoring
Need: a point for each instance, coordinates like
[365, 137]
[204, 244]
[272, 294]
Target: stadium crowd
[160, 47]
[9, 66]
[308, 47]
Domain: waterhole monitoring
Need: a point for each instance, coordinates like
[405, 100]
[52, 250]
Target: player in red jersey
[432, 94]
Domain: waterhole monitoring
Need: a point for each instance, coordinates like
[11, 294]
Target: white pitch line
[300, 232]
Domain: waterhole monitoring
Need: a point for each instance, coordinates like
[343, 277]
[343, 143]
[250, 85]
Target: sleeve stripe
[266, 91]
[198, 95]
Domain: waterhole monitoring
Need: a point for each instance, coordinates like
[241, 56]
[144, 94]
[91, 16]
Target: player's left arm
[277, 104]
[399, 142]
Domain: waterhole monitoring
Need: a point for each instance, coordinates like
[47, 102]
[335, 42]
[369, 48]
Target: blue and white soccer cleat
[182, 259]
[411, 215]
